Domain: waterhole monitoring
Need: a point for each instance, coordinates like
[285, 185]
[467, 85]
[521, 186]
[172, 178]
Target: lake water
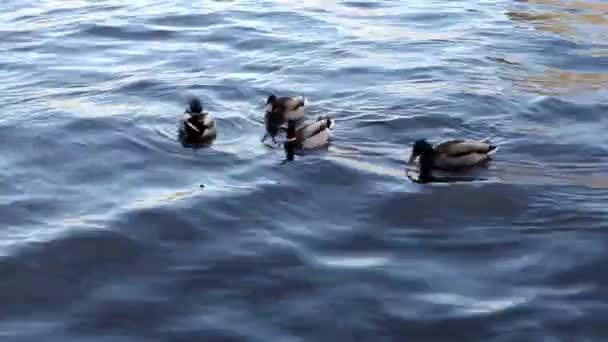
[107, 234]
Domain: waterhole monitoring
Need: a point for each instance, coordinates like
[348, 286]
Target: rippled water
[108, 236]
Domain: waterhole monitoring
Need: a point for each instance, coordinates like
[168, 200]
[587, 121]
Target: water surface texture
[107, 235]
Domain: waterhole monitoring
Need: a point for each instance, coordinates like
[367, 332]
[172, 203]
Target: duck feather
[292, 108]
[457, 162]
[463, 147]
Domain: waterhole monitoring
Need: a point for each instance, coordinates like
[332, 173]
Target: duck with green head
[452, 155]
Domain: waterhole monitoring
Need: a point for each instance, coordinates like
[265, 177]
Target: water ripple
[110, 224]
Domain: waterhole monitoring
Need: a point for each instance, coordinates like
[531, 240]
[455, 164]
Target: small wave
[189, 21]
[554, 109]
[129, 32]
[47, 277]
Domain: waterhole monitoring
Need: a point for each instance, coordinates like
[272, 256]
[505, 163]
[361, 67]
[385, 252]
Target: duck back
[460, 147]
[454, 163]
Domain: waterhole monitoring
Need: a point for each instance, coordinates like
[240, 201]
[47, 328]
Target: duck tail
[492, 148]
[492, 151]
[330, 123]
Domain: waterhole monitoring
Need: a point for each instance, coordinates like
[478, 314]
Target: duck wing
[464, 161]
[292, 107]
[462, 147]
[316, 134]
[200, 123]
[209, 124]
[208, 121]
[307, 131]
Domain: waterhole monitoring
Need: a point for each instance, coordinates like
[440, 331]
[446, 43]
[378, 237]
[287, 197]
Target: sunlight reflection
[575, 4]
[82, 107]
[553, 82]
[584, 22]
[349, 19]
[427, 89]
[335, 7]
[350, 157]
[391, 32]
[574, 20]
[161, 199]
[472, 305]
[344, 261]
[547, 174]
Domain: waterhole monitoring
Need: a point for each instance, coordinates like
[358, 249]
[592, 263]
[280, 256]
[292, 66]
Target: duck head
[273, 119]
[195, 106]
[421, 147]
[271, 99]
[270, 103]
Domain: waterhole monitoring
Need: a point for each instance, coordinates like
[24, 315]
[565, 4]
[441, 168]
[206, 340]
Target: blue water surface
[107, 235]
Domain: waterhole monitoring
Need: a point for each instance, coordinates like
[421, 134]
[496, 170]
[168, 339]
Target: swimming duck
[308, 136]
[197, 127]
[452, 155]
[280, 110]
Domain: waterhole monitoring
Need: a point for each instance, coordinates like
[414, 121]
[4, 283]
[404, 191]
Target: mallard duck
[308, 136]
[197, 127]
[280, 110]
[453, 155]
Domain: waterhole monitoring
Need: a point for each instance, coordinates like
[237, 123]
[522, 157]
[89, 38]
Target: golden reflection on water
[567, 25]
[601, 7]
[555, 82]
[83, 107]
[588, 176]
[597, 182]
[162, 199]
[583, 22]
[574, 20]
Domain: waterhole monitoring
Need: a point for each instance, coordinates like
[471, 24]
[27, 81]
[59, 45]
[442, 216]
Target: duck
[197, 127]
[280, 110]
[451, 155]
[308, 136]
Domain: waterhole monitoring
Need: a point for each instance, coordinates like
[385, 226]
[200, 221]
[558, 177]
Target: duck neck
[426, 165]
[290, 144]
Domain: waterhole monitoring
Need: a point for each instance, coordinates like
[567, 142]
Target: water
[108, 236]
